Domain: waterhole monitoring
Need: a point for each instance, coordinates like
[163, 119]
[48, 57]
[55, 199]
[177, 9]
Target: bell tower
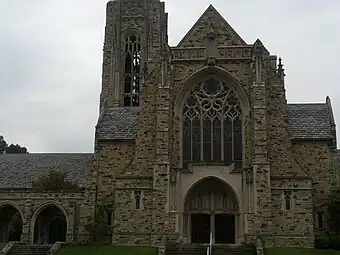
[135, 34]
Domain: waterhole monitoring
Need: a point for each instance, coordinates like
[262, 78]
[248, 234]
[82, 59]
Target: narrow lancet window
[132, 70]
[137, 199]
[288, 200]
[212, 124]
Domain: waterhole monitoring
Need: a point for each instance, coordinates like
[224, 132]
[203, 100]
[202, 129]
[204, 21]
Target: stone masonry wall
[211, 19]
[297, 223]
[286, 174]
[31, 204]
[316, 159]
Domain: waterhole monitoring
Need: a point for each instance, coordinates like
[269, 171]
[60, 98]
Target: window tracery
[132, 70]
[288, 200]
[212, 125]
[137, 199]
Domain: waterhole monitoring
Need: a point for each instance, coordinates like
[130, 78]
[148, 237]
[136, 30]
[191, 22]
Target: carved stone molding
[223, 53]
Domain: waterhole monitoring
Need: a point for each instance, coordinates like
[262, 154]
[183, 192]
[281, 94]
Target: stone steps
[216, 250]
[22, 249]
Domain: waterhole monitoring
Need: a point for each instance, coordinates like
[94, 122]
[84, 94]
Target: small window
[288, 198]
[137, 200]
[109, 218]
[320, 220]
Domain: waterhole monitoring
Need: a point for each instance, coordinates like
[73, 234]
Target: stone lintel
[261, 84]
[289, 177]
[3, 199]
[134, 188]
[162, 153]
[260, 106]
[163, 87]
[291, 188]
[129, 177]
[163, 109]
[163, 130]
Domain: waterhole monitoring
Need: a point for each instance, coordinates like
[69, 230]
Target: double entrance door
[222, 227]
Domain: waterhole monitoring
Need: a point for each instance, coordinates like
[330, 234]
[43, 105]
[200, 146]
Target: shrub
[335, 242]
[322, 242]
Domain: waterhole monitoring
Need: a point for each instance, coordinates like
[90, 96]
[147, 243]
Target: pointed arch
[223, 74]
[227, 186]
[132, 46]
[11, 222]
[56, 216]
[211, 108]
[211, 209]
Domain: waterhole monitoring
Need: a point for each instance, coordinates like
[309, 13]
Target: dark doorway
[10, 224]
[50, 226]
[225, 228]
[200, 228]
[57, 230]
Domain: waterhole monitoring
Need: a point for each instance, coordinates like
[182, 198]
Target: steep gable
[211, 20]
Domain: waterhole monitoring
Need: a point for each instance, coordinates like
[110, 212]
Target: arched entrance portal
[211, 207]
[50, 226]
[10, 224]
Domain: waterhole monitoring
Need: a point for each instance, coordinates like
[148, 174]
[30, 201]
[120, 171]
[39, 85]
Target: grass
[106, 250]
[299, 251]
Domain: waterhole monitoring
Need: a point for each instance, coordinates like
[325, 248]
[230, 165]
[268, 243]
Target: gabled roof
[118, 123]
[211, 19]
[19, 170]
[310, 121]
[306, 121]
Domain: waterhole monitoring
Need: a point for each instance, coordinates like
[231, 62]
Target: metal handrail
[209, 248]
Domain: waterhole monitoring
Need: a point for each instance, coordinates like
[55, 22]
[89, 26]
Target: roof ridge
[319, 103]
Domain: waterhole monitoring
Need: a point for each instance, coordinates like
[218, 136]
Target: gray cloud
[51, 53]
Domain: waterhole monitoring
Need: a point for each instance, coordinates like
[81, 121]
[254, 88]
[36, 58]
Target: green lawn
[299, 251]
[106, 250]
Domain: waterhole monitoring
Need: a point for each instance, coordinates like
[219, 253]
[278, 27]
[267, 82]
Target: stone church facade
[191, 140]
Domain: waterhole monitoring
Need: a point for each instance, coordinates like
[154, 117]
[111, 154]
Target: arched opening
[50, 226]
[211, 208]
[132, 71]
[10, 224]
[212, 126]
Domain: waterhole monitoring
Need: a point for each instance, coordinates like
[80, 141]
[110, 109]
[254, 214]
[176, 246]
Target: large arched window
[212, 124]
[132, 70]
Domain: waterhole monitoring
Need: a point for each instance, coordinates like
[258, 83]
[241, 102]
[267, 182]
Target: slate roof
[118, 123]
[309, 121]
[19, 170]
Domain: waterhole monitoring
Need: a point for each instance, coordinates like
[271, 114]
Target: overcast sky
[51, 57]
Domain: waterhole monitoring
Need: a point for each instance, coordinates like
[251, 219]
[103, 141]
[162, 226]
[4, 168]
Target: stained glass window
[212, 125]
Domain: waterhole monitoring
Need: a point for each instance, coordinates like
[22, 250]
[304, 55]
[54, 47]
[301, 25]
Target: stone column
[26, 224]
[260, 220]
[164, 220]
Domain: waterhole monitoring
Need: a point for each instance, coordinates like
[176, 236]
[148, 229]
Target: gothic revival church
[192, 140]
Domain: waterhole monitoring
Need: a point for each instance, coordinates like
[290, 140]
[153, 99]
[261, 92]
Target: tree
[55, 182]
[98, 228]
[10, 149]
[15, 149]
[3, 145]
